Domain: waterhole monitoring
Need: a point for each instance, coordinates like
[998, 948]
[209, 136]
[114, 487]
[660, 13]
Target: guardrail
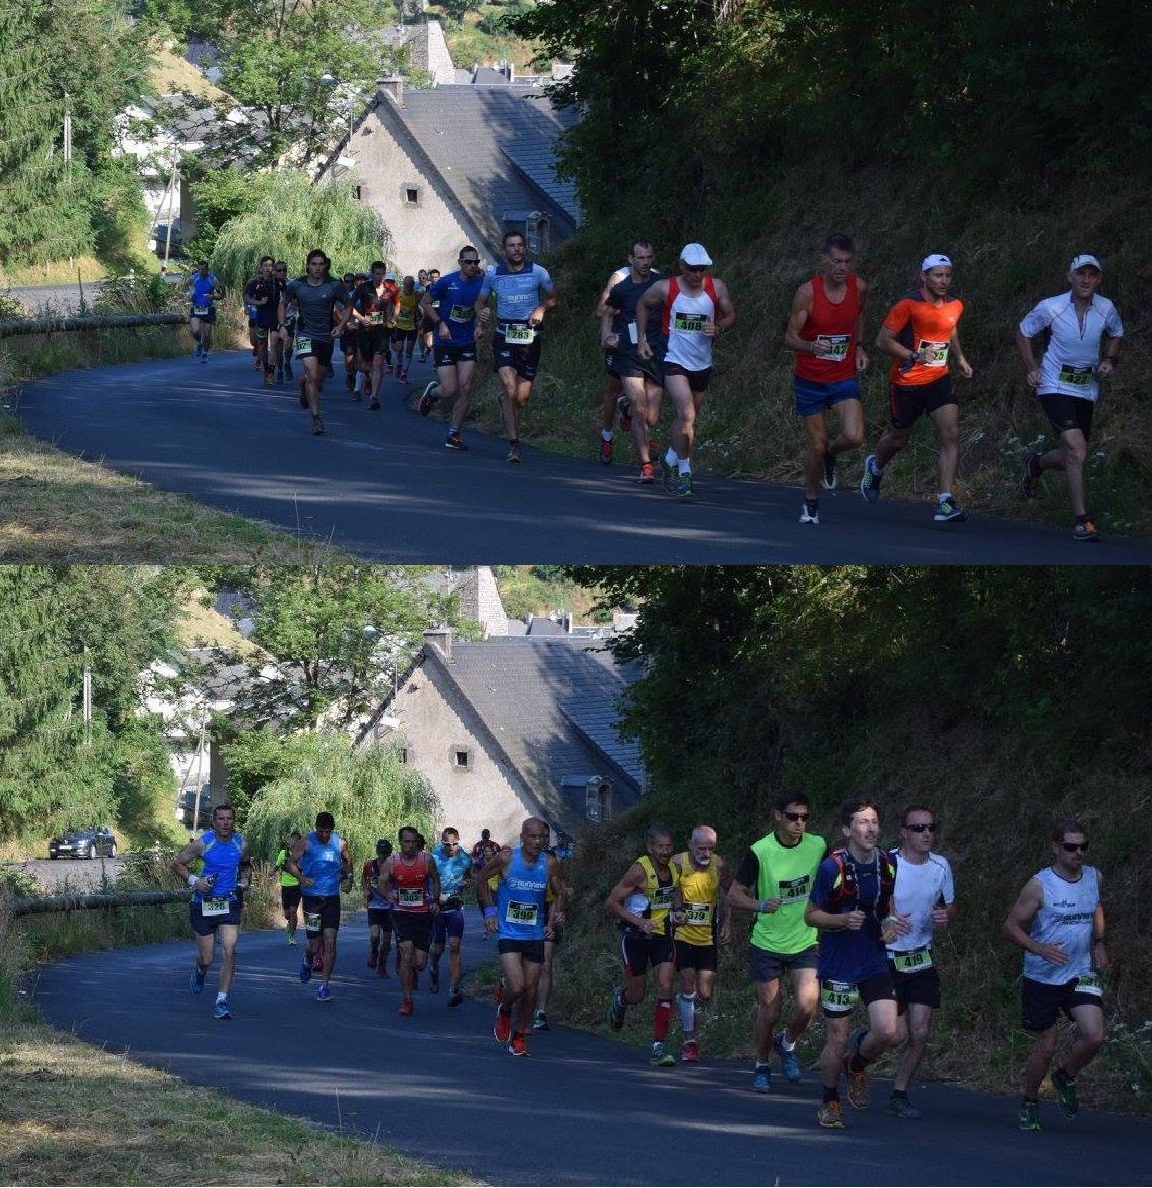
[18, 326]
[75, 903]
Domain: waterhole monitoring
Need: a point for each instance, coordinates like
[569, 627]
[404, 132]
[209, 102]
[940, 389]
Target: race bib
[462, 313]
[411, 897]
[312, 921]
[793, 889]
[933, 354]
[632, 336]
[521, 335]
[699, 914]
[914, 961]
[303, 347]
[662, 900]
[838, 996]
[199, 311]
[1090, 984]
[375, 319]
[522, 913]
[688, 323]
[837, 346]
[1075, 375]
[214, 907]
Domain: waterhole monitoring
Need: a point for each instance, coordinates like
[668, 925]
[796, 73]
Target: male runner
[614, 399]
[1058, 920]
[372, 311]
[925, 893]
[205, 292]
[415, 893]
[774, 880]
[703, 875]
[283, 342]
[695, 308]
[322, 864]
[646, 902]
[218, 903]
[378, 902]
[455, 870]
[552, 937]
[1084, 339]
[404, 328]
[427, 329]
[524, 294]
[347, 344]
[520, 919]
[825, 329]
[920, 334]
[263, 297]
[289, 888]
[851, 905]
[450, 311]
[640, 379]
[484, 850]
[317, 296]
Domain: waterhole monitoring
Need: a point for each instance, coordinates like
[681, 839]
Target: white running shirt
[1068, 367]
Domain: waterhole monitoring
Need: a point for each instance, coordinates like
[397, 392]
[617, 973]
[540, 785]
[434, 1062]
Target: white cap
[695, 253]
[390, 276]
[1085, 262]
[936, 261]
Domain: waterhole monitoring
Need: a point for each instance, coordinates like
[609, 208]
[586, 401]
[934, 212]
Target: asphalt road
[382, 486]
[580, 1110]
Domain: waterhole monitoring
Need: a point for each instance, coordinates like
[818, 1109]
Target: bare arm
[634, 879]
[797, 320]
[861, 353]
[727, 310]
[649, 299]
[1021, 916]
[193, 850]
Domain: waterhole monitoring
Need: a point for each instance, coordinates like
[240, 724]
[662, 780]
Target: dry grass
[170, 73]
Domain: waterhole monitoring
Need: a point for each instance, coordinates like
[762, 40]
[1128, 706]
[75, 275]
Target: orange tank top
[836, 324]
[411, 884]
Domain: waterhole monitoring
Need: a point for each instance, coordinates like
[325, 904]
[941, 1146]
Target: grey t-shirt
[316, 304]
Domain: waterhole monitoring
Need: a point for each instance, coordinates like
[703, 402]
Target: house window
[410, 194]
[405, 756]
[460, 757]
[356, 193]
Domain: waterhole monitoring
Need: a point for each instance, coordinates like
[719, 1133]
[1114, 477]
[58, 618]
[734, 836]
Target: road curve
[382, 486]
[582, 1110]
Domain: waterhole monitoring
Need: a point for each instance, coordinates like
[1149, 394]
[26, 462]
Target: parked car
[84, 843]
[159, 238]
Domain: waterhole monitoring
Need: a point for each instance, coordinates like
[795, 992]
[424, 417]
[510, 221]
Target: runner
[454, 868]
[524, 294]
[774, 880]
[695, 308]
[317, 296]
[851, 905]
[552, 938]
[285, 337]
[925, 893]
[519, 919]
[205, 292]
[217, 906]
[289, 888]
[378, 903]
[614, 389]
[703, 875]
[322, 863]
[427, 329]
[482, 852]
[920, 333]
[641, 379]
[415, 893]
[646, 903]
[404, 328]
[349, 340]
[372, 310]
[450, 313]
[1058, 920]
[1084, 339]
[263, 297]
[825, 329]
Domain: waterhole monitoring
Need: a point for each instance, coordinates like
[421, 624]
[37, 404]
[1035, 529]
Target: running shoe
[809, 514]
[269, 377]
[428, 397]
[901, 1107]
[829, 1116]
[455, 996]
[830, 479]
[287, 371]
[647, 474]
[625, 407]
[373, 960]
[683, 488]
[540, 1021]
[668, 476]
[382, 968]
[503, 1027]
[331, 371]
[279, 375]
[1029, 1115]
[788, 1061]
[204, 357]
[616, 1010]
[870, 483]
[318, 961]
[407, 1007]
[324, 994]
[434, 980]
[761, 1079]
[403, 376]
[605, 454]
[292, 938]
[1086, 530]
[303, 399]
[196, 982]
[690, 1052]
[396, 371]
[661, 1057]
[222, 1010]
[357, 395]
[1065, 1088]
[1030, 480]
[318, 429]
[349, 382]
[517, 1046]
[373, 404]
[514, 453]
[454, 441]
[948, 511]
[306, 969]
[256, 360]
[198, 351]
[857, 1081]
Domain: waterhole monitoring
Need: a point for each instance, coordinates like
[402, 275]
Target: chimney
[392, 87]
[441, 639]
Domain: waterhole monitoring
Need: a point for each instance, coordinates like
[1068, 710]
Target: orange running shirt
[836, 324]
[920, 325]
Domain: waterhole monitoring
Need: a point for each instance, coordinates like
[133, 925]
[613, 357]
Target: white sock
[607, 434]
[359, 382]
[683, 465]
[943, 495]
[671, 458]
[788, 1047]
[221, 997]
[875, 467]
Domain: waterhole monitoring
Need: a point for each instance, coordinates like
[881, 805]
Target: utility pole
[86, 698]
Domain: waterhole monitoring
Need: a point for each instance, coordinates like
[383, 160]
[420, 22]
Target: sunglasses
[921, 827]
[469, 261]
[797, 816]
[1073, 847]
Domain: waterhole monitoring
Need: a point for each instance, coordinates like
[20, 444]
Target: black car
[83, 843]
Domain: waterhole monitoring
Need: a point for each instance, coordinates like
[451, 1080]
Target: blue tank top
[221, 863]
[322, 863]
[520, 906]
